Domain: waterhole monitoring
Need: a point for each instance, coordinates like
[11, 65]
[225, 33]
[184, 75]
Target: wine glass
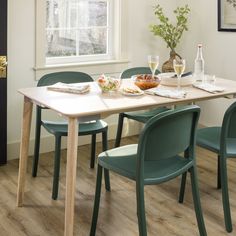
[153, 62]
[179, 67]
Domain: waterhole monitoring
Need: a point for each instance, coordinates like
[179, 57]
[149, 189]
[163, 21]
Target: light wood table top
[94, 103]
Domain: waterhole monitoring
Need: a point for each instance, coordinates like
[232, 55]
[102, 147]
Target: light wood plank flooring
[42, 216]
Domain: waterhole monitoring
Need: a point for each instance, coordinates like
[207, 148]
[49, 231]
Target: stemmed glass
[179, 67]
[153, 62]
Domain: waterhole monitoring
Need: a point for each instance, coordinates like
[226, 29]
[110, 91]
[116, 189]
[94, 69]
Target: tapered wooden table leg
[24, 147]
[72, 143]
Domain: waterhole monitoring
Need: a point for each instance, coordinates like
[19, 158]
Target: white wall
[219, 50]
[21, 59]
[20, 63]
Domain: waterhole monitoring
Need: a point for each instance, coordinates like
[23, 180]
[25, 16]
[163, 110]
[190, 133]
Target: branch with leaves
[166, 30]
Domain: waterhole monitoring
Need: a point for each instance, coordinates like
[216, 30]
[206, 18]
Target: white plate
[132, 94]
[167, 79]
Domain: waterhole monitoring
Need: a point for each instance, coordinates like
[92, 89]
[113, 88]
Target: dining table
[92, 105]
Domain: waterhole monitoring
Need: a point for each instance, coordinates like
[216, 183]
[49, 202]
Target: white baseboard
[48, 142]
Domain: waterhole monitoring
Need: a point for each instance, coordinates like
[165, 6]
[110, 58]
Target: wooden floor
[42, 216]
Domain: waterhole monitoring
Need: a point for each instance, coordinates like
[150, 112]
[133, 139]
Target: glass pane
[92, 13]
[73, 17]
[86, 17]
[92, 41]
[74, 13]
[52, 20]
[61, 43]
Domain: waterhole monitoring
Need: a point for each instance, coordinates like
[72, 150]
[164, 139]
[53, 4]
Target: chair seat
[61, 128]
[209, 138]
[122, 160]
[144, 116]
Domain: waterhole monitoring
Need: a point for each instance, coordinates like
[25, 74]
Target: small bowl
[146, 81]
[108, 84]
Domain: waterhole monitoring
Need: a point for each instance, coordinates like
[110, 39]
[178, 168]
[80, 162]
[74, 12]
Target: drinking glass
[209, 79]
[179, 67]
[153, 62]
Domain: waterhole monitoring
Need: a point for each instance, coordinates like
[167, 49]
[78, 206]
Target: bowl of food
[108, 84]
[146, 81]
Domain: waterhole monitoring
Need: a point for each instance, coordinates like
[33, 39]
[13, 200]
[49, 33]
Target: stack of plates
[169, 79]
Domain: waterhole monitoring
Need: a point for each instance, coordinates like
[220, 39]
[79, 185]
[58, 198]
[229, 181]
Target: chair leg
[182, 187]
[183, 180]
[57, 161]
[141, 209]
[106, 172]
[197, 203]
[104, 141]
[119, 129]
[36, 148]
[218, 173]
[225, 194]
[93, 150]
[96, 201]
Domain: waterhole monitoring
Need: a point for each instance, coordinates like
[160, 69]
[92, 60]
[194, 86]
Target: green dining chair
[142, 117]
[222, 141]
[59, 129]
[155, 159]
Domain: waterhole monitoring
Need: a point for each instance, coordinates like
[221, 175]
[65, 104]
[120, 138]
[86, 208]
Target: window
[77, 31]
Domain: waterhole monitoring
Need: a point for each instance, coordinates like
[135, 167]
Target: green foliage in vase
[166, 30]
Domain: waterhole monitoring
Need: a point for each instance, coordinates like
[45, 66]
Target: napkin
[176, 94]
[70, 88]
[211, 88]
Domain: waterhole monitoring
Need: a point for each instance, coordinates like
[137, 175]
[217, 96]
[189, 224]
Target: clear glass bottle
[199, 65]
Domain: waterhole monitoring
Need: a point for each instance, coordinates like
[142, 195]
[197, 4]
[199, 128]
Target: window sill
[82, 64]
[111, 67]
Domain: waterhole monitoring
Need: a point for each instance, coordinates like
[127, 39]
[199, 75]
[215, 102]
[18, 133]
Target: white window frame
[119, 51]
[106, 56]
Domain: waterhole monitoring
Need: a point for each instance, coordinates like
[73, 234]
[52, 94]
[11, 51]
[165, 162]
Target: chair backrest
[64, 77]
[135, 71]
[168, 134]
[228, 129]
